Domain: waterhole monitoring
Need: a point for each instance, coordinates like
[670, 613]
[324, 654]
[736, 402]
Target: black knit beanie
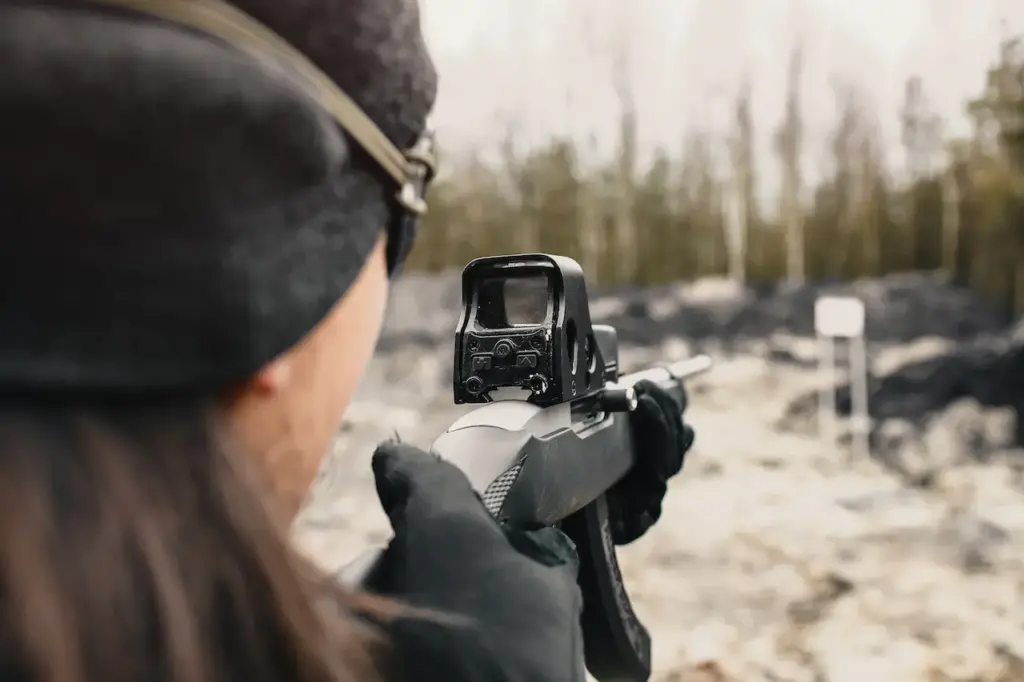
[174, 213]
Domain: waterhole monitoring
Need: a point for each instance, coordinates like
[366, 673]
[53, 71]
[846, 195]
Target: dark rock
[989, 371]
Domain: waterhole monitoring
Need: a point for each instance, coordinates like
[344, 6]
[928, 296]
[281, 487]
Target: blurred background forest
[954, 205]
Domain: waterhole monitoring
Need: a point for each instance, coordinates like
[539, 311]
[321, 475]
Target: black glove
[510, 600]
[661, 439]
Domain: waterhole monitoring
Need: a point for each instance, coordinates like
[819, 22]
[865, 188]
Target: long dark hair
[135, 545]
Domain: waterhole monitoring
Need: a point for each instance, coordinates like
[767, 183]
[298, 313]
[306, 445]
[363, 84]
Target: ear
[274, 376]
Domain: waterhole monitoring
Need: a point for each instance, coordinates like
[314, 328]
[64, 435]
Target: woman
[194, 264]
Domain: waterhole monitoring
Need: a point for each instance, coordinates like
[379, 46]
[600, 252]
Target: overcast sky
[546, 65]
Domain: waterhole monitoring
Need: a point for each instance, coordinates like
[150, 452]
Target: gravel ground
[780, 556]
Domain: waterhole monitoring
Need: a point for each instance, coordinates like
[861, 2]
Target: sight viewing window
[518, 301]
[526, 300]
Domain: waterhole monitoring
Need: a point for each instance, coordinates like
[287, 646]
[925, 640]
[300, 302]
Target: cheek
[330, 368]
[350, 344]
[360, 341]
[292, 429]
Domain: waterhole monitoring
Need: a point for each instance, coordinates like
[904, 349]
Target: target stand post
[843, 318]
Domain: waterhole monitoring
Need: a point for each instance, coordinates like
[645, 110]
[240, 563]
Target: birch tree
[788, 139]
[921, 137]
[625, 195]
[741, 154]
[579, 20]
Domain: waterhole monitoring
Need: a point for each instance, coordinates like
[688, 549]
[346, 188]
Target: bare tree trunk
[795, 268]
[709, 202]
[527, 234]
[626, 267]
[741, 154]
[476, 215]
[921, 136]
[870, 160]
[788, 145]
[733, 224]
[466, 237]
[580, 21]
[698, 189]
[846, 175]
[589, 228]
[950, 220]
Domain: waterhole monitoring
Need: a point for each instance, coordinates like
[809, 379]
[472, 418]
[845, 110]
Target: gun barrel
[669, 377]
[666, 374]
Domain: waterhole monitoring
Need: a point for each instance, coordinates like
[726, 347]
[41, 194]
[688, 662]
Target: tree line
[959, 207]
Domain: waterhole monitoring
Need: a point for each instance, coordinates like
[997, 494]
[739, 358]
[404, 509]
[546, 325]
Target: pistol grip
[617, 646]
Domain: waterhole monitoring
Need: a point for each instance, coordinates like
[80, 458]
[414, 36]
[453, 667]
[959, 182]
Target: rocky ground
[780, 556]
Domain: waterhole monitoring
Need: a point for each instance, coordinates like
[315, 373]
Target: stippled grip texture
[495, 493]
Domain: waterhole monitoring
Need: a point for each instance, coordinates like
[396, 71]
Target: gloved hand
[661, 439]
[511, 600]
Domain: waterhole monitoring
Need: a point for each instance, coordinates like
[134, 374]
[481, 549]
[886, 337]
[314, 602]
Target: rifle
[553, 433]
